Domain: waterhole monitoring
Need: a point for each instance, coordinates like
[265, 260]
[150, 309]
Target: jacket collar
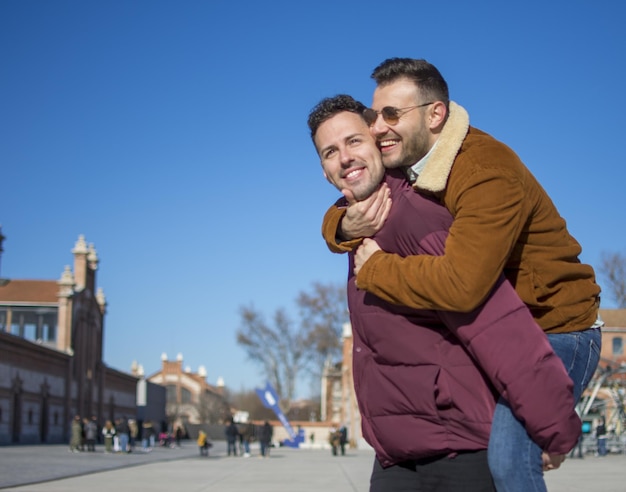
[435, 174]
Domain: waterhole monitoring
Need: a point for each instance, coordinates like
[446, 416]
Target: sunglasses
[390, 114]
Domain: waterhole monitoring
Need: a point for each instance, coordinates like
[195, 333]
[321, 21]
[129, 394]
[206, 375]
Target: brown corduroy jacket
[503, 221]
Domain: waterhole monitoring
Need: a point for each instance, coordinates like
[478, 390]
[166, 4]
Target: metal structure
[609, 383]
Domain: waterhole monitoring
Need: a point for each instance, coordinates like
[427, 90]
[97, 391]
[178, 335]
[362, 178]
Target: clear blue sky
[173, 136]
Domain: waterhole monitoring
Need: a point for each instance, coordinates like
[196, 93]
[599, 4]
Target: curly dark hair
[329, 107]
[429, 81]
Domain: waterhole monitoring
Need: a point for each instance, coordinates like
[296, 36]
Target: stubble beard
[394, 163]
[414, 150]
[364, 191]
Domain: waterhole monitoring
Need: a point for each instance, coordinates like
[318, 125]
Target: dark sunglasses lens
[369, 115]
[390, 115]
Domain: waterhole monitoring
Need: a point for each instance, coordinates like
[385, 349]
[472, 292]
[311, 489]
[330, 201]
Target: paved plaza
[53, 468]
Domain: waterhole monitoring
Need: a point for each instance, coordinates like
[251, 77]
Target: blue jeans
[602, 450]
[514, 459]
[124, 443]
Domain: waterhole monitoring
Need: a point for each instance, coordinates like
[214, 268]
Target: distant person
[232, 435]
[123, 434]
[265, 439]
[147, 436]
[343, 439]
[91, 434]
[166, 439]
[246, 435]
[83, 436]
[203, 443]
[334, 439]
[240, 439]
[579, 445]
[178, 435]
[601, 438]
[108, 432]
[76, 436]
[100, 438]
[134, 433]
[116, 437]
[504, 222]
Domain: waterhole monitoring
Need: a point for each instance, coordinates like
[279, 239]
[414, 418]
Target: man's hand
[363, 253]
[365, 218]
[552, 461]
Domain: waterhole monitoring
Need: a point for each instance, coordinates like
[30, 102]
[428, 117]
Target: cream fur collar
[435, 174]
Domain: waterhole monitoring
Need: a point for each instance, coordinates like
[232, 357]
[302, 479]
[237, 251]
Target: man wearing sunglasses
[504, 222]
[427, 381]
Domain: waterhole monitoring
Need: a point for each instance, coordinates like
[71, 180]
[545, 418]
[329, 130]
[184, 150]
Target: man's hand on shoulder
[364, 218]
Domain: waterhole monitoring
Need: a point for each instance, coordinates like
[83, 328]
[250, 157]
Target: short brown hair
[329, 107]
[429, 81]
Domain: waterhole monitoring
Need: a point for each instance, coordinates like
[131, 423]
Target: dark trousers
[465, 472]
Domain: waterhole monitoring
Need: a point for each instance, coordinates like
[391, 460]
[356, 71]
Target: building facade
[338, 398]
[606, 395]
[190, 399]
[51, 367]
[613, 337]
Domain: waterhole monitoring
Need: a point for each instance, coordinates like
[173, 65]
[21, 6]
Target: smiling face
[348, 154]
[410, 139]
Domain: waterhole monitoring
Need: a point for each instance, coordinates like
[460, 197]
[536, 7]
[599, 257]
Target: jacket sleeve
[518, 359]
[487, 205]
[330, 226]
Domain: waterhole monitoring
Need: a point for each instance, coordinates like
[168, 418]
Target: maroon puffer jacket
[427, 381]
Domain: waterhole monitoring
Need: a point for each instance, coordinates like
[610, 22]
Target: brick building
[338, 399]
[51, 367]
[613, 337]
[190, 399]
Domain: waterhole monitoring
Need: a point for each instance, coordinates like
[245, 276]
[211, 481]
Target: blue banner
[270, 400]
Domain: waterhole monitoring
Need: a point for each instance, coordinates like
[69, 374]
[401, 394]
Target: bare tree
[279, 349]
[613, 268]
[324, 311]
[249, 401]
[284, 350]
[212, 408]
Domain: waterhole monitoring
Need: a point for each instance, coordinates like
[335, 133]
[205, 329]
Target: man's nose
[346, 156]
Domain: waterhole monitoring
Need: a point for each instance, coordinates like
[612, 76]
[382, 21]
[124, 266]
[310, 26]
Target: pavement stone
[52, 468]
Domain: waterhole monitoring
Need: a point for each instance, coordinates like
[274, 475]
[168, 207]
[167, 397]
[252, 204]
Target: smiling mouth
[354, 173]
[386, 145]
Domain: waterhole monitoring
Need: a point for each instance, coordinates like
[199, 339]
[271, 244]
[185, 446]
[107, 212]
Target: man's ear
[437, 115]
